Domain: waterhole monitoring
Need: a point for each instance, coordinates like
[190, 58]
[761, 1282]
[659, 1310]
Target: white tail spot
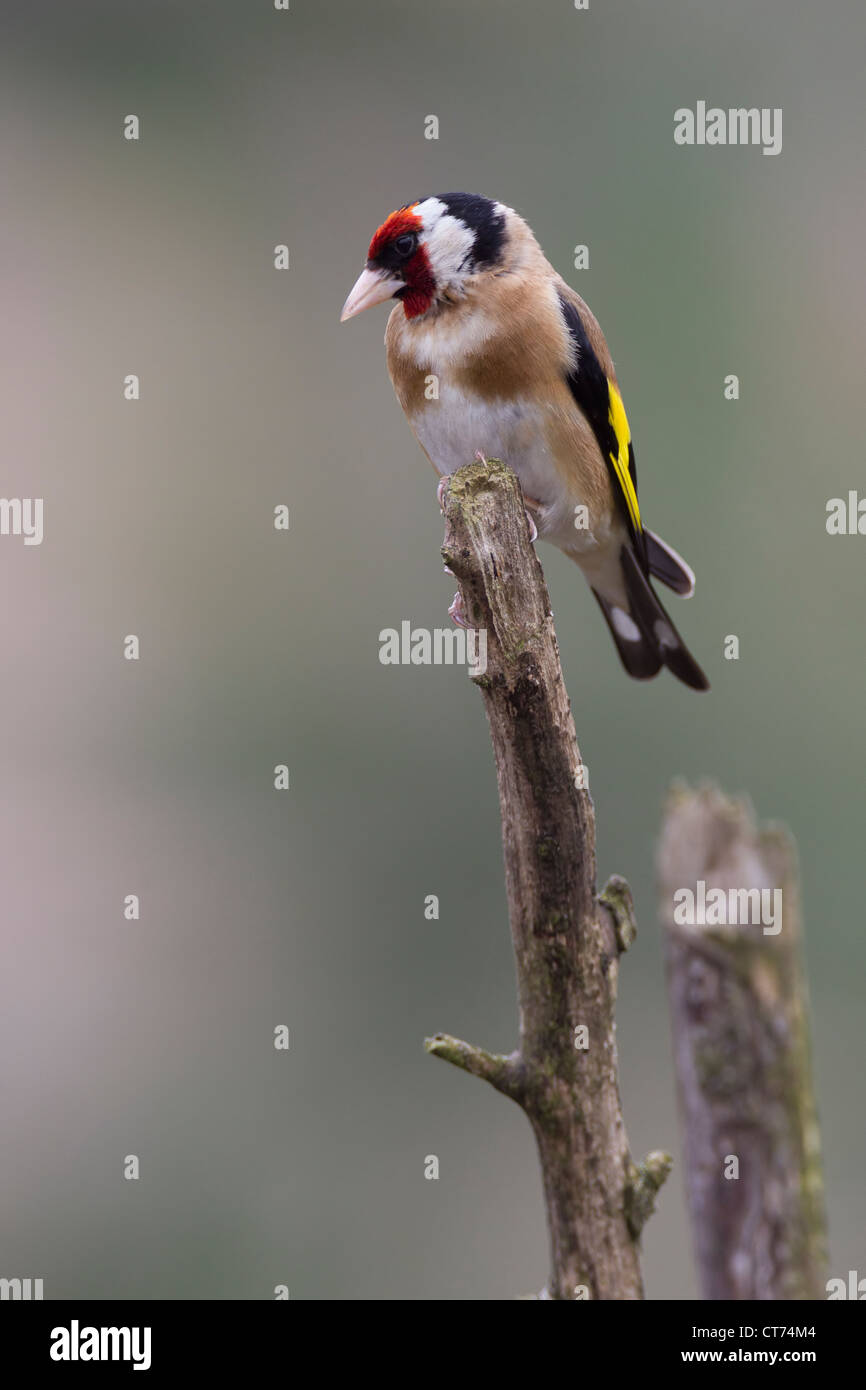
[625, 625]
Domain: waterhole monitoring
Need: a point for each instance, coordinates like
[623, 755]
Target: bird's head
[424, 253]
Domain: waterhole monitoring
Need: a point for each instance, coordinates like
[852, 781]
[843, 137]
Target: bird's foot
[456, 612]
[531, 507]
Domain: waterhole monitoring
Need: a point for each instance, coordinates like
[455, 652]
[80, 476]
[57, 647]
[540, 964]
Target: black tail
[645, 637]
[668, 566]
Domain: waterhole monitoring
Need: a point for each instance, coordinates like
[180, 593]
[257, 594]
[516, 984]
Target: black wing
[602, 405]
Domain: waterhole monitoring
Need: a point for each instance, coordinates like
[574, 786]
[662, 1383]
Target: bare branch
[567, 940]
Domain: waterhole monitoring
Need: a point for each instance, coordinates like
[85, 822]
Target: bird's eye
[405, 245]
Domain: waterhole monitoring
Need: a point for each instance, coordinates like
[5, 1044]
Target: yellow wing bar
[619, 425]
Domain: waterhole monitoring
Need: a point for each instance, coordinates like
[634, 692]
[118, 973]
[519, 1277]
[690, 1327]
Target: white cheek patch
[448, 241]
[625, 625]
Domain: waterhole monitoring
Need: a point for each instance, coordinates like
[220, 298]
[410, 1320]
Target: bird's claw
[456, 613]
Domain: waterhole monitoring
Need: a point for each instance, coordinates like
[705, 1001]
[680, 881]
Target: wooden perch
[567, 939]
[741, 1040]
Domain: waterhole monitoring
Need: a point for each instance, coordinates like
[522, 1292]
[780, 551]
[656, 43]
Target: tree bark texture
[740, 1018]
[567, 938]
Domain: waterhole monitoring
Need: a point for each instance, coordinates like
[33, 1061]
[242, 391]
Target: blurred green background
[307, 907]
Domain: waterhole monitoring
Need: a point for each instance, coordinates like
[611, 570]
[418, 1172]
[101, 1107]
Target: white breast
[513, 428]
[453, 428]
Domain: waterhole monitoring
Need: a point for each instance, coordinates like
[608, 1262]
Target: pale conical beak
[371, 287]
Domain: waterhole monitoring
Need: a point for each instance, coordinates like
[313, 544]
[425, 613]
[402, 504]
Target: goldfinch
[523, 373]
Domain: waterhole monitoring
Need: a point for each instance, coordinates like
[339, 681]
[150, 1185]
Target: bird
[523, 373]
